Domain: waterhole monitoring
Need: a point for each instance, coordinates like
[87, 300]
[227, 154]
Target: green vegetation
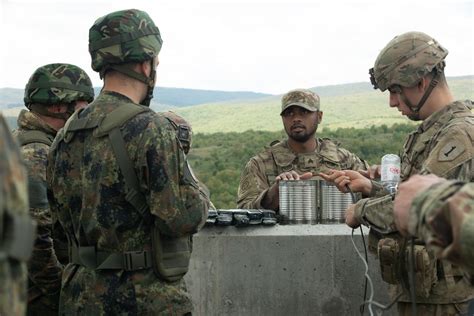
[350, 105]
[218, 158]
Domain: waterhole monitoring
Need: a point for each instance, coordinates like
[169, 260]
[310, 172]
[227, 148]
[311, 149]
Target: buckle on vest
[136, 260]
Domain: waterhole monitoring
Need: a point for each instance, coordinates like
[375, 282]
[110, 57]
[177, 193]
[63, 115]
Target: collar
[28, 120]
[443, 115]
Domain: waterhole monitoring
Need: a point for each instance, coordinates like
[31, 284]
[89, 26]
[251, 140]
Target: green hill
[349, 105]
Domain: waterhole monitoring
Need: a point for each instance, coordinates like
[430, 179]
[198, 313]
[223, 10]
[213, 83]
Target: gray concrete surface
[280, 270]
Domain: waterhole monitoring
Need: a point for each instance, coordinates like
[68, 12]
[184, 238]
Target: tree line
[218, 158]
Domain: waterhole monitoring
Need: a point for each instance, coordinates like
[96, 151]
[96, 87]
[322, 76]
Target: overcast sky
[255, 45]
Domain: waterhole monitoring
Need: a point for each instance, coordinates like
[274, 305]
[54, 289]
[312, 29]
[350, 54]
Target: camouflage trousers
[116, 292]
[405, 309]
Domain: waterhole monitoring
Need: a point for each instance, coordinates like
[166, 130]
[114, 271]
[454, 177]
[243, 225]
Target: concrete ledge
[280, 270]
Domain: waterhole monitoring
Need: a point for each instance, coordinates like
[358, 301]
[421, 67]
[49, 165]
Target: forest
[218, 158]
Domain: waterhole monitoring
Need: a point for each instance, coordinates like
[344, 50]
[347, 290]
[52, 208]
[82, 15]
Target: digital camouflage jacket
[13, 202]
[44, 269]
[86, 190]
[260, 172]
[443, 216]
[442, 145]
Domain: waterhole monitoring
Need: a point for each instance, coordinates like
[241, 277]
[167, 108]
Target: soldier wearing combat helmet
[411, 68]
[119, 183]
[301, 156]
[52, 94]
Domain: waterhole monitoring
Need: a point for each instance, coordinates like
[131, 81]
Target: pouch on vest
[388, 251]
[425, 269]
[171, 255]
[19, 235]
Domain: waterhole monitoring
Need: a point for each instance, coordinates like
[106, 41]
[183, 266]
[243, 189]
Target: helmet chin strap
[416, 109]
[43, 110]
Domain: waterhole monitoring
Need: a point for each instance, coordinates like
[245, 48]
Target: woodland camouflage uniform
[49, 85]
[260, 172]
[442, 145]
[117, 178]
[13, 212]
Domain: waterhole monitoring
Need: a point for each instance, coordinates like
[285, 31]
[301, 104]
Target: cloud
[267, 46]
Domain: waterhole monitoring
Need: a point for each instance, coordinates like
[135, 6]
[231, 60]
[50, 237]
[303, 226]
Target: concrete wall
[280, 270]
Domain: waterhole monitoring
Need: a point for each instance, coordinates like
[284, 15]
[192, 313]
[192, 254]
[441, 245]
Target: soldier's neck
[300, 148]
[130, 88]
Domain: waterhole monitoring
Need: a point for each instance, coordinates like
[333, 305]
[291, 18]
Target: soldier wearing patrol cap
[52, 94]
[411, 68]
[119, 183]
[301, 156]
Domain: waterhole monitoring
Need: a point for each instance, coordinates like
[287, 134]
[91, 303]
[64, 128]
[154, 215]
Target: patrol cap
[304, 98]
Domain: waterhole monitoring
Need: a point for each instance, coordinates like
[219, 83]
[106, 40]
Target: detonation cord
[366, 275]
[368, 280]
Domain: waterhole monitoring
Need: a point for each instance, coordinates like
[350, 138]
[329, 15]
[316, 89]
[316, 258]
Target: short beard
[302, 137]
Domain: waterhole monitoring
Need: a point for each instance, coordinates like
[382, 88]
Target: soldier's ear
[320, 116]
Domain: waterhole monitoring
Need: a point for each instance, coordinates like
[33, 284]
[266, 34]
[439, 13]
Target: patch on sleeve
[451, 150]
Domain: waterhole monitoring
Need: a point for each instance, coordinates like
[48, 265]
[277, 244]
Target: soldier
[118, 181]
[52, 94]
[16, 228]
[441, 212]
[301, 156]
[411, 68]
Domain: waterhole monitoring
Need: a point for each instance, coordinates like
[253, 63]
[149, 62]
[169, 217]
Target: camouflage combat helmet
[128, 36]
[183, 129]
[58, 83]
[406, 59]
[123, 37]
[304, 98]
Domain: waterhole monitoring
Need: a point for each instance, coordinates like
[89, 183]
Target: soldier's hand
[351, 220]
[374, 172]
[293, 175]
[341, 178]
[406, 193]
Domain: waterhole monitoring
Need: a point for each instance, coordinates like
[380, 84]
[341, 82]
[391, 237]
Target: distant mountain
[165, 98]
[347, 105]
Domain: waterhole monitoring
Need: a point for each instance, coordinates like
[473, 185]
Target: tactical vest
[278, 159]
[169, 256]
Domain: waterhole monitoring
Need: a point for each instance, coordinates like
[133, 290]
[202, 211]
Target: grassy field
[358, 109]
[350, 105]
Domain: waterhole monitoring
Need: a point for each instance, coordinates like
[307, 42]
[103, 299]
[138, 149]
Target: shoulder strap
[133, 196]
[34, 136]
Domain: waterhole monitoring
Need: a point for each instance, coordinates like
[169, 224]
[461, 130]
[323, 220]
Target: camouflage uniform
[442, 145]
[443, 216]
[49, 85]
[114, 265]
[13, 206]
[260, 172]
[184, 133]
